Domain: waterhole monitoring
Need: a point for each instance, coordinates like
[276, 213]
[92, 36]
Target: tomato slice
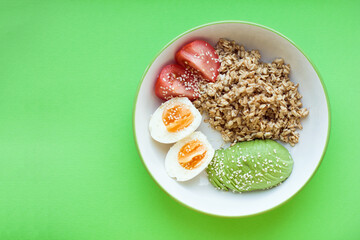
[201, 56]
[176, 81]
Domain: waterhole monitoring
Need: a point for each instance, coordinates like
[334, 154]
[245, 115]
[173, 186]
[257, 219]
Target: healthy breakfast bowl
[243, 96]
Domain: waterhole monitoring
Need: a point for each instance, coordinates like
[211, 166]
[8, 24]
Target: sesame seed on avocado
[249, 166]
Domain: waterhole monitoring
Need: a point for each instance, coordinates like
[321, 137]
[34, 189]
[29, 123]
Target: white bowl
[198, 193]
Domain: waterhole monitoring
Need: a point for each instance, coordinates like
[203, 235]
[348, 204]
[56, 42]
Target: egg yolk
[177, 118]
[191, 154]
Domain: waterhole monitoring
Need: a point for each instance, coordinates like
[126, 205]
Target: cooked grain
[251, 99]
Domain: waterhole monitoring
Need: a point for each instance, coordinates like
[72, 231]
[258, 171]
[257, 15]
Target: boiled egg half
[188, 157]
[174, 120]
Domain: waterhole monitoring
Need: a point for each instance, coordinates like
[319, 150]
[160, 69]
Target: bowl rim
[247, 23]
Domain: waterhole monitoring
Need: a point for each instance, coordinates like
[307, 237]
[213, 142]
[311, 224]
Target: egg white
[173, 167]
[158, 129]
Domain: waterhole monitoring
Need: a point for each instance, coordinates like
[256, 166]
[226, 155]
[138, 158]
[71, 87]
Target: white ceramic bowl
[198, 193]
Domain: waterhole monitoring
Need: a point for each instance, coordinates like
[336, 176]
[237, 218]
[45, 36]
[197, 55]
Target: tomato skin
[176, 81]
[202, 57]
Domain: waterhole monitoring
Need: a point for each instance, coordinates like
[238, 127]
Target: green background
[69, 168]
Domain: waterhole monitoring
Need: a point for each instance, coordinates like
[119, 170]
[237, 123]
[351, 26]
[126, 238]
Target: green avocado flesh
[249, 166]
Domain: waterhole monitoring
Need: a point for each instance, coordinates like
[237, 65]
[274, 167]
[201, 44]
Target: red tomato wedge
[176, 81]
[201, 56]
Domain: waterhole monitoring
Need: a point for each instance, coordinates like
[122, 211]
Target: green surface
[69, 168]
